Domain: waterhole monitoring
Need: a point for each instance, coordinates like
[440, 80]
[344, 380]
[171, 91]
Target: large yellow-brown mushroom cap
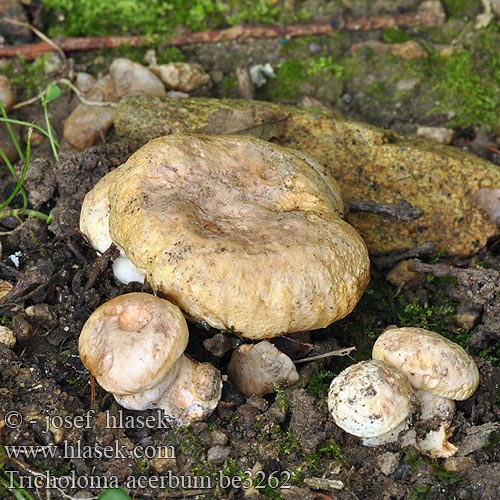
[239, 233]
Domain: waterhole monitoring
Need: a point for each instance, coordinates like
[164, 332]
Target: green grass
[50, 94]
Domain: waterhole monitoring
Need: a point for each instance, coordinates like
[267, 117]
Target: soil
[284, 445]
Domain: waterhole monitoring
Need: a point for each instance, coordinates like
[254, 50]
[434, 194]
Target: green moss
[290, 75]
[395, 35]
[468, 87]
[101, 17]
[319, 383]
[461, 8]
[325, 66]
[327, 451]
[437, 314]
[28, 75]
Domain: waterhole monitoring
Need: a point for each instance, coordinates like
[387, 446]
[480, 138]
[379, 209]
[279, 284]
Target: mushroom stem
[190, 392]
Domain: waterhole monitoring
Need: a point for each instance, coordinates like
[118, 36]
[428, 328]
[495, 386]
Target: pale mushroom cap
[238, 232]
[369, 399]
[130, 343]
[94, 214]
[429, 360]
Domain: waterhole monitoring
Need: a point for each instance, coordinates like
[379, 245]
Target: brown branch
[422, 17]
[403, 211]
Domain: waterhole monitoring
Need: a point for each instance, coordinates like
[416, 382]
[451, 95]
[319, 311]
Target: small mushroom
[134, 344]
[440, 371]
[430, 361]
[371, 400]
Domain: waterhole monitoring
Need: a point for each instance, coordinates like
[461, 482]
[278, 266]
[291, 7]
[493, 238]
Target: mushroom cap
[130, 342]
[369, 399]
[429, 360]
[238, 232]
[94, 214]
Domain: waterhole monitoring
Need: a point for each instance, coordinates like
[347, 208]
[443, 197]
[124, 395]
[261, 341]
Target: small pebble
[132, 78]
[185, 77]
[459, 464]
[246, 87]
[21, 328]
[5, 286]
[441, 135]
[52, 63]
[7, 95]
[86, 123]
[7, 337]
[218, 438]
[256, 369]
[388, 462]
[84, 81]
[217, 455]
[401, 275]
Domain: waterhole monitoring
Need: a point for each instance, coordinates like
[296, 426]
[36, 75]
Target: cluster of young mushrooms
[232, 231]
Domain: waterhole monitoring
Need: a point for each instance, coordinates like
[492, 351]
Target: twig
[403, 211]
[41, 35]
[386, 261]
[339, 352]
[422, 17]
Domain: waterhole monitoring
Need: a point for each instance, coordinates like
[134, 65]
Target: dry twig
[421, 17]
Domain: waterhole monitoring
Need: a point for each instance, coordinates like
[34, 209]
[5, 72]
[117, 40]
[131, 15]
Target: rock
[407, 83]
[489, 200]
[368, 163]
[259, 73]
[132, 78]
[259, 368]
[218, 454]
[5, 286]
[467, 317]
[163, 461]
[246, 87]
[86, 123]
[476, 438]
[52, 63]
[181, 76]
[459, 464]
[7, 95]
[218, 438]
[442, 135]
[401, 275]
[221, 343]
[84, 81]
[7, 337]
[321, 483]
[388, 462]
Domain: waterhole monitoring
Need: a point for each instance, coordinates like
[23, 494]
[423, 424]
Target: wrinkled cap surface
[429, 360]
[130, 342]
[369, 399]
[239, 233]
